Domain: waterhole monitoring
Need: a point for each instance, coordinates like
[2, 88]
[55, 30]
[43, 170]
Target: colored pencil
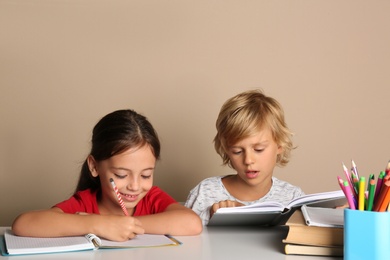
[371, 194]
[349, 195]
[379, 184]
[362, 185]
[354, 169]
[383, 197]
[346, 173]
[119, 197]
[388, 168]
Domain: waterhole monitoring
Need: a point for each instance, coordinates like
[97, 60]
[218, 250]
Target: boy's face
[254, 158]
[132, 172]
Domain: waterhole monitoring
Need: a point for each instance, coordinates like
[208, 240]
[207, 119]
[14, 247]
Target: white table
[239, 243]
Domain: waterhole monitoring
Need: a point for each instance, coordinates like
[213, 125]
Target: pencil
[348, 194]
[388, 167]
[379, 184]
[349, 179]
[355, 181]
[371, 195]
[385, 202]
[119, 197]
[382, 195]
[362, 184]
[354, 168]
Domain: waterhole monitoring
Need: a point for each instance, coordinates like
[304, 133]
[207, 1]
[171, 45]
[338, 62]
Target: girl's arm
[175, 220]
[55, 223]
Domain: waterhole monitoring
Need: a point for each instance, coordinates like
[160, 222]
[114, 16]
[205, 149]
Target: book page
[267, 206]
[316, 197]
[30, 245]
[145, 240]
[279, 207]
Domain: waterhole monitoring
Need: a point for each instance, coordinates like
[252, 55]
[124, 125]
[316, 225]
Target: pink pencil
[119, 197]
[346, 172]
[348, 194]
[341, 183]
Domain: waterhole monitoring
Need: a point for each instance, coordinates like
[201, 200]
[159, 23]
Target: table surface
[214, 243]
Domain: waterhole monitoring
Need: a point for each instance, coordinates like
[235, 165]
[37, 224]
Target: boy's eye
[146, 176]
[259, 150]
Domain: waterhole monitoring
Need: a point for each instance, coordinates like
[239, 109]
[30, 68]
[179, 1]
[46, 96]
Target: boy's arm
[55, 223]
[175, 220]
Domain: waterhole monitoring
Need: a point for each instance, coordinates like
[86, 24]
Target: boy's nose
[248, 159]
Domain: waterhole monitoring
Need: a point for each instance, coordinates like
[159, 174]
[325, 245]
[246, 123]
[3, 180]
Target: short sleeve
[155, 201]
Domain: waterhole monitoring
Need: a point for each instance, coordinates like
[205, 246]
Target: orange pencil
[382, 195]
[386, 199]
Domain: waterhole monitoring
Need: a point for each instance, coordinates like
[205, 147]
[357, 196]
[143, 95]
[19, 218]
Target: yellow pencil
[362, 185]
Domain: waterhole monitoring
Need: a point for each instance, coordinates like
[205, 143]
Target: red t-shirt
[155, 201]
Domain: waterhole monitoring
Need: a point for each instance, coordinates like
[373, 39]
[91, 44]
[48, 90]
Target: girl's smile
[128, 197]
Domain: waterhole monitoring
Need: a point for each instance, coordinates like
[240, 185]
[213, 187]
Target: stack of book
[304, 238]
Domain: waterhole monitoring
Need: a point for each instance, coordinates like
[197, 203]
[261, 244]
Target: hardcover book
[273, 213]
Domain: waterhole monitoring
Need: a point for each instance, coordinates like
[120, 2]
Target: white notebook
[17, 245]
[323, 217]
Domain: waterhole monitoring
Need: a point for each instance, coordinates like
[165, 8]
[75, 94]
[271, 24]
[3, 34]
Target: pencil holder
[366, 235]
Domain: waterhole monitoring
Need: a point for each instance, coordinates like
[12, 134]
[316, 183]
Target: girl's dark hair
[116, 133]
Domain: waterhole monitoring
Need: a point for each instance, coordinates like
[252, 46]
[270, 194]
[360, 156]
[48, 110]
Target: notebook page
[145, 240]
[31, 245]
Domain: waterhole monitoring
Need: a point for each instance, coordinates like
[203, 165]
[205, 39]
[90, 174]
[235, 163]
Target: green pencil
[371, 194]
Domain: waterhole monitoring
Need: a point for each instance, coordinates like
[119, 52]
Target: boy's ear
[280, 149]
[92, 166]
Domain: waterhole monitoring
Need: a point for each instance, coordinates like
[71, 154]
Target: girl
[252, 138]
[125, 148]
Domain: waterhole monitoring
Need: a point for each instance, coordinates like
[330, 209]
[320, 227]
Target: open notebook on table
[273, 213]
[16, 245]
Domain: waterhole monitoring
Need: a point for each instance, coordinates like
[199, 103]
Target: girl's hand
[118, 228]
[224, 204]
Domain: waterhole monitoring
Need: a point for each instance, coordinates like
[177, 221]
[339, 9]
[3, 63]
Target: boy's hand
[224, 204]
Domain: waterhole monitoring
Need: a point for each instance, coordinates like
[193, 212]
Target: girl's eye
[146, 176]
[236, 152]
[259, 150]
[120, 176]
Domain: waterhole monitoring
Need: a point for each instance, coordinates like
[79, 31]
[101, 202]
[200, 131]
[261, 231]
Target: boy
[252, 138]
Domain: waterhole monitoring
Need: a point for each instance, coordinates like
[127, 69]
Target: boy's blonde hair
[246, 114]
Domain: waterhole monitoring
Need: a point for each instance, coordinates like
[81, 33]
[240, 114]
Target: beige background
[66, 63]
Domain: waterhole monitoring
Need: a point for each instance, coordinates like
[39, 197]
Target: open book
[16, 245]
[273, 213]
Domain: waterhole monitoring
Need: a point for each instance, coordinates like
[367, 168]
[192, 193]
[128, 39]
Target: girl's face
[132, 172]
[254, 158]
